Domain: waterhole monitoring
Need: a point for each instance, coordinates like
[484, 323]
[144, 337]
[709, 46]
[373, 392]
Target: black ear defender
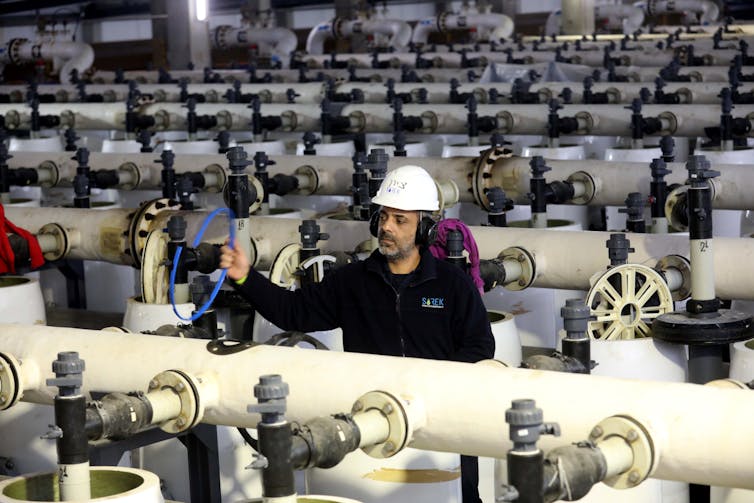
[426, 229]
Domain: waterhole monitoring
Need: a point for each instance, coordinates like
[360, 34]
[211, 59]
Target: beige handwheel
[285, 265]
[625, 299]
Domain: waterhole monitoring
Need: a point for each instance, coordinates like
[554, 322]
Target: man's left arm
[471, 326]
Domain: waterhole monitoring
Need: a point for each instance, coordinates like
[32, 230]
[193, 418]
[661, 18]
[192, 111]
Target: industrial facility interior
[594, 166]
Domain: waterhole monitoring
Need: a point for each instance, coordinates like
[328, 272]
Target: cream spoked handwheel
[625, 299]
[286, 269]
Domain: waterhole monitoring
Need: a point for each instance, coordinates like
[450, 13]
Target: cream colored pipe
[72, 55]
[677, 120]
[168, 116]
[571, 268]
[613, 180]
[310, 92]
[460, 415]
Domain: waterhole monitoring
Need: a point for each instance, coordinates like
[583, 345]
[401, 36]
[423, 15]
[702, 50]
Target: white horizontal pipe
[282, 40]
[309, 92]
[606, 120]
[628, 18]
[399, 31]
[462, 416]
[76, 55]
[613, 179]
[169, 116]
[708, 9]
[556, 266]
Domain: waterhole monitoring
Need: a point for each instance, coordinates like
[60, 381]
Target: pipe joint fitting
[525, 262]
[395, 413]
[11, 387]
[187, 388]
[638, 439]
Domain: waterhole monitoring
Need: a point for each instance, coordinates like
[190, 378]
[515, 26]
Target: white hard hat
[408, 188]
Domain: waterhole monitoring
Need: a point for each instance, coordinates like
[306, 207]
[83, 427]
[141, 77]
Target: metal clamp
[393, 411]
[640, 442]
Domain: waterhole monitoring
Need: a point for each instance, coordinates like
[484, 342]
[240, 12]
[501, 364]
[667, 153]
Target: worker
[399, 301]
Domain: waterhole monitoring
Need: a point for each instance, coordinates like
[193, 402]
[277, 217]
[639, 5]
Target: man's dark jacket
[438, 315]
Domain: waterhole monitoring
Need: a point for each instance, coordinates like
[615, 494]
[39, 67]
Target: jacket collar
[426, 270]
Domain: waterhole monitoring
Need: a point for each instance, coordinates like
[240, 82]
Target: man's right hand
[235, 261]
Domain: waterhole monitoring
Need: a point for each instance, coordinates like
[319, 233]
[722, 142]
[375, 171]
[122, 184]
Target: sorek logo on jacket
[433, 302]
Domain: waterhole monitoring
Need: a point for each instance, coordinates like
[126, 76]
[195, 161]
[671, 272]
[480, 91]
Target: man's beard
[396, 252]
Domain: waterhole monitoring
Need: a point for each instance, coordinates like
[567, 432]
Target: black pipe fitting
[260, 123]
[81, 181]
[499, 204]
[455, 96]
[324, 442]
[184, 188]
[376, 163]
[332, 125]
[275, 437]
[640, 125]
[663, 98]
[399, 144]
[618, 248]
[118, 416]
[557, 125]
[454, 249]
[634, 211]
[667, 147]
[5, 172]
[699, 197]
[21, 177]
[239, 194]
[104, 179]
[521, 95]
[70, 140]
[223, 141]
[571, 471]
[176, 229]
[658, 187]
[576, 345]
[492, 273]
[167, 174]
[537, 184]
[70, 409]
[390, 94]
[261, 161]
[145, 138]
[404, 122]
[310, 139]
[525, 460]
[359, 187]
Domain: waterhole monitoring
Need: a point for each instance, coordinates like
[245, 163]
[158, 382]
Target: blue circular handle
[197, 240]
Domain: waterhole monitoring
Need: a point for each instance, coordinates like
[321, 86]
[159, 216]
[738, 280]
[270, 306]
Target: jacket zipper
[400, 321]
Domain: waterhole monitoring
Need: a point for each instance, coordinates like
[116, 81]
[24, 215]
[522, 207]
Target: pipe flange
[220, 35]
[587, 120]
[357, 121]
[728, 384]
[640, 442]
[528, 267]
[53, 174]
[687, 96]
[67, 119]
[63, 243]
[672, 203]
[695, 76]
[545, 95]
[311, 174]
[442, 21]
[10, 385]
[393, 411]
[160, 95]
[290, 121]
[218, 172]
[14, 50]
[626, 312]
[284, 267]
[671, 120]
[140, 226]
[481, 174]
[192, 409]
[448, 194]
[480, 94]
[429, 122]
[337, 25]
[682, 265]
[61, 96]
[12, 119]
[613, 95]
[212, 96]
[576, 59]
[506, 118]
[265, 96]
[130, 172]
[155, 273]
[224, 119]
[591, 186]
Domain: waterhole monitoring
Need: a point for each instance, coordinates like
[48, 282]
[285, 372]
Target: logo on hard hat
[395, 186]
